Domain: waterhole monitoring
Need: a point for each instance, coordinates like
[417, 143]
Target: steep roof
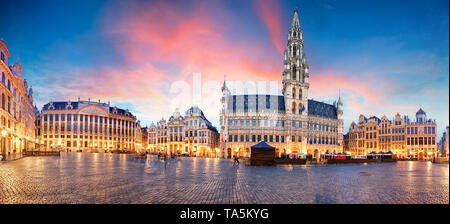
[266, 103]
[276, 103]
[322, 109]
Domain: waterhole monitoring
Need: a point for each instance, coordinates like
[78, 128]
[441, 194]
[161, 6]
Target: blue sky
[384, 56]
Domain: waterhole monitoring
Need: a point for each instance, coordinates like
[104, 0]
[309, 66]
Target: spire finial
[224, 86]
[295, 21]
[339, 99]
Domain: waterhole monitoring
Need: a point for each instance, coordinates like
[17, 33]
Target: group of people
[165, 156]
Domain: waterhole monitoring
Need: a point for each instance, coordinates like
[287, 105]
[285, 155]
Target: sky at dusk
[384, 56]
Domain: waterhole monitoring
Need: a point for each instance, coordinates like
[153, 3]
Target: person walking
[165, 161]
[236, 160]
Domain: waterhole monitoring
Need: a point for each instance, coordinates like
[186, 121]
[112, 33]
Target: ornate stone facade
[291, 122]
[192, 134]
[17, 121]
[86, 126]
[443, 143]
[402, 137]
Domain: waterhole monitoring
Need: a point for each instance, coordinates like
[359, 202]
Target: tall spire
[224, 86]
[295, 22]
[339, 100]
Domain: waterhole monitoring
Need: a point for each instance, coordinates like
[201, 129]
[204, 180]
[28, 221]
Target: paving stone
[106, 178]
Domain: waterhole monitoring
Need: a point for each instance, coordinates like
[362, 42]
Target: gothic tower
[295, 74]
[223, 118]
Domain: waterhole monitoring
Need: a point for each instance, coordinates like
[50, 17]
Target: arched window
[293, 93]
[300, 108]
[293, 107]
[300, 94]
[294, 73]
[294, 49]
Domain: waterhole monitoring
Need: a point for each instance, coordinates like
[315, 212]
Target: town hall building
[292, 123]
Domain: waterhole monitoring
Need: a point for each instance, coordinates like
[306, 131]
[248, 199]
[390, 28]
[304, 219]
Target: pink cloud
[270, 13]
[329, 83]
[360, 95]
[192, 42]
[161, 43]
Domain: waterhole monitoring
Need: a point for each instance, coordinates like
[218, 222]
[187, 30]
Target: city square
[112, 178]
[253, 102]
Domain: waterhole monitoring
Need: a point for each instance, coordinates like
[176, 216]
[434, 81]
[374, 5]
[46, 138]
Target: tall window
[3, 101]
[245, 103]
[234, 105]
[294, 73]
[9, 104]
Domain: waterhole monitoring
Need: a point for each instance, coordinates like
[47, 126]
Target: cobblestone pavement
[106, 178]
